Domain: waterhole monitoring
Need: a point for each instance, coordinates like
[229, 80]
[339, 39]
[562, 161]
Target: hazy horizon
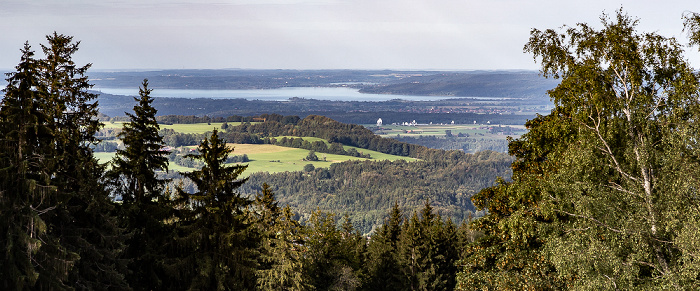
[443, 35]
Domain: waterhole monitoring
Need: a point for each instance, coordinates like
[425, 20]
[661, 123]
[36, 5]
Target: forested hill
[345, 111]
[478, 84]
[366, 190]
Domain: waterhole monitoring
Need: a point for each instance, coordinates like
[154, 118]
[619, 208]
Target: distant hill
[518, 84]
[240, 79]
[472, 84]
[343, 111]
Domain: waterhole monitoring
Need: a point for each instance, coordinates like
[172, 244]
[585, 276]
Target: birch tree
[621, 188]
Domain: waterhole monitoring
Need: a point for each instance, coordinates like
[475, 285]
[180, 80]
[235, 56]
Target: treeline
[277, 125]
[466, 144]
[189, 119]
[319, 146]
[334, 132]
[398, 117]
[393, 111]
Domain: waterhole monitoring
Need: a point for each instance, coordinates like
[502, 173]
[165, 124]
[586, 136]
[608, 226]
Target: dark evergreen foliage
[383, 269]
[281, 253]
[135, 167]
[82, 220]
[24, 185]
[71, 239]
[145, 206]
[216, 230]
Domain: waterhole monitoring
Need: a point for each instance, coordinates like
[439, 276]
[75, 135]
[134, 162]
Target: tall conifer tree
[145, 205]
[217, 229]
[48, 124]
[281, 253]
[143, 155]
[383, 267]
[82, 219]
[26, 194]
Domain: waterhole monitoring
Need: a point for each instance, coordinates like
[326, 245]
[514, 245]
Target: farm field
[183, 128]
[275, 159]
[476, 130]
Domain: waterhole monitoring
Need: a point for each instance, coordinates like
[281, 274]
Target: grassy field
[476, 130]
[274, 159]
[106, 157]
[263, 157]
[183, 128]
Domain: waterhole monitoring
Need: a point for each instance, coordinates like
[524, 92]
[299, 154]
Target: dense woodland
[464, 143]
[364, 190]
[604, 192]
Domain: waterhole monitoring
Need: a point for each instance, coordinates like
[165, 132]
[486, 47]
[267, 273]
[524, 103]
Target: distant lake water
[279, 94]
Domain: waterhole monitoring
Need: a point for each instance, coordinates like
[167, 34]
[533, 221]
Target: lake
[280, 94]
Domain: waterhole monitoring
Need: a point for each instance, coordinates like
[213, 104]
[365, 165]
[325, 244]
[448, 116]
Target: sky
[313, 34]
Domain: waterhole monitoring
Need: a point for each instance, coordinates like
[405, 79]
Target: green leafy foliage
[603, 191]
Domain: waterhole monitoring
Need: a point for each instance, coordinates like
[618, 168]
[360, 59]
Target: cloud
[450, 34]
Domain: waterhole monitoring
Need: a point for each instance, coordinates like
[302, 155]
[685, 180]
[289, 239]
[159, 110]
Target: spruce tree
[48, 124]
[82, 220]
[383, 267]
[332, 253]
[145, 206]
[136, 166]
[411, 252]
[217, 229]
[26, 194]
[427, 251]
[281, 252]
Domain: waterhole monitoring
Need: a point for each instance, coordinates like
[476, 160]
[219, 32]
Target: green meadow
[264, 157]
[183, 128]
[274, 159]
[475, 130]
